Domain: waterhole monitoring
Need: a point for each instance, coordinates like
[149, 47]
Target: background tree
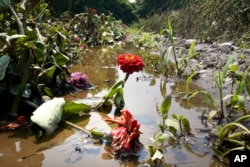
[121, 9]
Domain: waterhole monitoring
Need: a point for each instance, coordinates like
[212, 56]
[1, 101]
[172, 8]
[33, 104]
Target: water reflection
[196, 103]
[143, 94]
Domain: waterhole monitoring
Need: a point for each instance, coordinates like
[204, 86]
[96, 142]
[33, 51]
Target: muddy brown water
[144, 91]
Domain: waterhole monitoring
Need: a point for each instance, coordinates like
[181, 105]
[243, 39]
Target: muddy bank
[211, 56]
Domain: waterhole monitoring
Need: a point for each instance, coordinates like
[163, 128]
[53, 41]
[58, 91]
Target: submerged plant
[171, 132]
[232, 136]
[125, 137]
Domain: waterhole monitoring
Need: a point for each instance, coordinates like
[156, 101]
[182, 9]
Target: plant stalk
[19, 23]
[22, 86]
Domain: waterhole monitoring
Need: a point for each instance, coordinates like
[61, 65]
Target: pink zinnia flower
[126, 135]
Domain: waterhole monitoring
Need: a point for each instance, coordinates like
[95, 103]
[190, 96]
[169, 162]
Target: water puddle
[143, 93]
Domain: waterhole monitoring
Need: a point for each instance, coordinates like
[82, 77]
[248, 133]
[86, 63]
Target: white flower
[49, 114]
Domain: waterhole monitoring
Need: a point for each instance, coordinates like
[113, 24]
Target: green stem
[19, 23]
[220, 90]
[125, 79]
[176, 62]
[23, 85]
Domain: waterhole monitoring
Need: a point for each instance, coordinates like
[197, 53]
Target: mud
[212, 56]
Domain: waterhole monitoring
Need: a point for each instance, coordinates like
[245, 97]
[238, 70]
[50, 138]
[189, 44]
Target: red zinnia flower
[130, 63]
[126, 135]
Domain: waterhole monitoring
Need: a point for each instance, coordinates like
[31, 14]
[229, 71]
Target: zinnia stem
[125, 79]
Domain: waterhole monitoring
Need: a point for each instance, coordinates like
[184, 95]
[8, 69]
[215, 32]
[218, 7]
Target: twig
[77, 127]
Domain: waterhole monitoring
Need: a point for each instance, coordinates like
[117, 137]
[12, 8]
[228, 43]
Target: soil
[212, 56]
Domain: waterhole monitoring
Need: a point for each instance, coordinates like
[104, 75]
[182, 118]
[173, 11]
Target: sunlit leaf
[233, 67]
[152, 150]
[173, 123]
[228, 96]
[241, 103]
[191, 53]
[49, 72]
[211, 115]
[157, 155]
[72, 108]
[189, 80]
[166, 104]
[168, 52]
[31, 34]
[161, 138]
[48, 92]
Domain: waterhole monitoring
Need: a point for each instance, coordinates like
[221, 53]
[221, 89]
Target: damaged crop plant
[38, 49]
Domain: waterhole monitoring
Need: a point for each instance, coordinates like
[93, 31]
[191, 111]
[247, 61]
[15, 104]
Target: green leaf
[161, 138]
[185, 125]
[229, 60]
[170, 32]
[166, 104]
[230, 126]
[48, 92]
[247, 83]
[189, 80]
[50, 72]
[40, 50]
[168, 52]
[157, 155]
[14, 89]
[210, 98]
[172, 123]
[72, 108]
[4, 62]
[31, 34]
[113, 90]
[191, 53]
[4, 3]
[233, 67]
[60, 59]
[119, 100]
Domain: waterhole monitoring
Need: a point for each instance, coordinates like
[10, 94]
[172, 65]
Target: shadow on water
[143, 93]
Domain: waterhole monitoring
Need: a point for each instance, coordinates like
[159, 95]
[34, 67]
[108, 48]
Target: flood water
[143, 93]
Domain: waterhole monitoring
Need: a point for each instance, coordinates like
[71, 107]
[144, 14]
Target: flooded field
[143, 93]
